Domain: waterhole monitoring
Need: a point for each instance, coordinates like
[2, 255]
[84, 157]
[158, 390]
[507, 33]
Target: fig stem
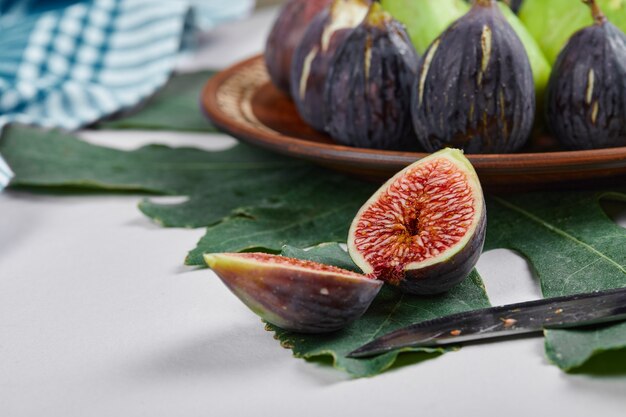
[596, 12]
[484, 3]
[376, 16]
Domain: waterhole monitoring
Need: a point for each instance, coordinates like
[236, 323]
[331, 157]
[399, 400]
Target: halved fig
[424, 230]
[297, 295]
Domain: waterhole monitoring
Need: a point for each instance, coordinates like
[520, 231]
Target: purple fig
[285, 36]
[368, 90]
[475, 88]
[297, 295]
[586, 103]
[312, 58]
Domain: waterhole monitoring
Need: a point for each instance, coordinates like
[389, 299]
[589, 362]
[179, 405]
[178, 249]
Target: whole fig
[285, 36]
[313, 56]
[425, 20]
[538, 62]
[587, 92]
[475, 86]
[367, 99]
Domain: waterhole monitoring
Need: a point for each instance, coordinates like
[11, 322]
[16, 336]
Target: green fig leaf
[317, 210]
[325, 253]
[57, 159]
[574, 247]
[390, 310]
[248, 198]
[251, 199]
[174, 107]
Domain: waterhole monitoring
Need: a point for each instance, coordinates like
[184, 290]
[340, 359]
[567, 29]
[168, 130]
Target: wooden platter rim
[510, 164]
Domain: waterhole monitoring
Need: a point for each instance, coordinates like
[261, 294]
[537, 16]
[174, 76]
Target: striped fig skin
[586, 104]
[296, 295]
[368, 100]
[313, 56]
[475, 88]
[285, 36]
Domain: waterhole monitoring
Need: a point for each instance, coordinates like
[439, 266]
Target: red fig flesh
[425, 228]
[297, 295]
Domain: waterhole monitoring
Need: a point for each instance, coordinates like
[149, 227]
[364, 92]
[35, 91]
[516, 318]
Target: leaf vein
[290, 225]
[560, 232]
[387, 319]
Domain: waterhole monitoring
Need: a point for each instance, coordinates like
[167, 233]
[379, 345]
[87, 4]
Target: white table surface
[98, 317]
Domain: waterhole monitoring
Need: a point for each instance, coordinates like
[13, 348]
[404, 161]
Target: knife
[509, 320]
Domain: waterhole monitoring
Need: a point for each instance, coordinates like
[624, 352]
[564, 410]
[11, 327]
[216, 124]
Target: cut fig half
[297, 295]
[424, 230]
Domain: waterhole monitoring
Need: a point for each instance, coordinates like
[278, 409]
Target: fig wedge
[424, 230]
[296, 295]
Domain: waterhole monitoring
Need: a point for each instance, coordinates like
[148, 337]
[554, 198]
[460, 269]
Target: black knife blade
[533, 316]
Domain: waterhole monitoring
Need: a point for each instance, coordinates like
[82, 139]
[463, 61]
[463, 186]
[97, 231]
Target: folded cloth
[69, 63]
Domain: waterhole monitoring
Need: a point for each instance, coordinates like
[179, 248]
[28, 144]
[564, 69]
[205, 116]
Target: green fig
[553, 22]
[538, 62]
[425, 19]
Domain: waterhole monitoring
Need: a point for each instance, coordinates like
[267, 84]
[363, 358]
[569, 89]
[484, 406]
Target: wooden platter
[242, 102]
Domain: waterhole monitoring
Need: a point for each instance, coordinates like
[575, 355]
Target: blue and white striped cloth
[69, 63]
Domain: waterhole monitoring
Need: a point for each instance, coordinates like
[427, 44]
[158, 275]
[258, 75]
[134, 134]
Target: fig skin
[441, 277]
[313, 57]
[285, 36]
[367, 98]
[426, 20]
[434, 274]
[475, 88]
[515, 5]
[299, 296]
[586, 105]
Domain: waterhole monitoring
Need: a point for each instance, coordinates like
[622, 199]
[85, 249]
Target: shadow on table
[325, 363]
[239, 350]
